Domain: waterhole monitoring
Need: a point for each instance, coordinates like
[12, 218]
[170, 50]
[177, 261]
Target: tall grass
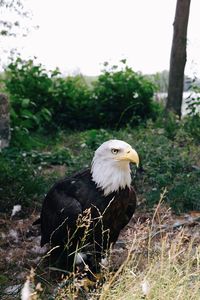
[171, 272]
[162, 262]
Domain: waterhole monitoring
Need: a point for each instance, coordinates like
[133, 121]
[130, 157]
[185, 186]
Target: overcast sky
[79, 35]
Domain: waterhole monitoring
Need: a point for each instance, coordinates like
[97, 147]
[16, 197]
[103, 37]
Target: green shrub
[45, 100]
[22, 180]
[192, 121]
[167, 164]
[71, 103]
[192, 126]
[21, 183]
[29, 87]
[95, 137]
[193, 101]
[171, 124]
[122, 97]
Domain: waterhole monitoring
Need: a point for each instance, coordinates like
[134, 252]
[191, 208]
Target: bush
[165, 163]
[22, 179]
[71, 103]
[45, 100]
[94, 138]
[192, 121]
[122, 97]
[192, 126]
[21, 183]
[29, 87]
[168, 164]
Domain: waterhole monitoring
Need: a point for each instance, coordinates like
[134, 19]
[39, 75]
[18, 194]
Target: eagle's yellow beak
[130, 155]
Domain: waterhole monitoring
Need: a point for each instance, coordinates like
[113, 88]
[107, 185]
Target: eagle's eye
[114, 151]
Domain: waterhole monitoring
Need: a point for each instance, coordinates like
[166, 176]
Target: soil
[20, 249]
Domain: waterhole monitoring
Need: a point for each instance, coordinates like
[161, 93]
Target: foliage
[29, 87]
[9, 26]
[122, 97]
[70, 103]
[171, 124]
[21, 183]
[165, 163]
[94, 138]
[192, 126]
[42, 100]
[193, 101]
[22, 180]
[192, 123]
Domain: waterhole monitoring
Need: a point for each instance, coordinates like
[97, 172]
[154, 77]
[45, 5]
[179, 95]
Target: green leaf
[26, 114]
[25, 103]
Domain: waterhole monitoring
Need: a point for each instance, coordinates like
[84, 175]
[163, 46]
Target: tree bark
[178, 57]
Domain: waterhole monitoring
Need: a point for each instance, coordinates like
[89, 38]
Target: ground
[157, 255]
[20, 247]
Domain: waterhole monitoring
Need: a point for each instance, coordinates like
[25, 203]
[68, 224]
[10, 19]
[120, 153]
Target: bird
[82, 214]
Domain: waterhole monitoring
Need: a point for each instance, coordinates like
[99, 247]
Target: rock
[4, 122]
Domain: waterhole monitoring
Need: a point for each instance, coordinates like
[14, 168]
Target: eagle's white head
[110, 165]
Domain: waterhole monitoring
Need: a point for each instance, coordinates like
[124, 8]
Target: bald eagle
[85, 213]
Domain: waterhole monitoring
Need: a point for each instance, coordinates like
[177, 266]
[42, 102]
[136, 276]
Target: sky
[79, 35]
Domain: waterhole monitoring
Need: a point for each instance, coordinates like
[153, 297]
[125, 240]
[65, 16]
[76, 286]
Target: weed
[161, 262]
[173, 164]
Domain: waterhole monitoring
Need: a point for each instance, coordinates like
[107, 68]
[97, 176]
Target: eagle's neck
[111, 176]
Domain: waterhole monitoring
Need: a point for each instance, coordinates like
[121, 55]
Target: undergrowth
[169, 274]
[162, 262]
[27, 172]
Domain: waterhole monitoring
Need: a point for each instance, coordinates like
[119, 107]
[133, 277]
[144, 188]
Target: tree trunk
[178, 57]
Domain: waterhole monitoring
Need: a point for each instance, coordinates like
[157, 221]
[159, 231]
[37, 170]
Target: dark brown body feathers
[74, 196]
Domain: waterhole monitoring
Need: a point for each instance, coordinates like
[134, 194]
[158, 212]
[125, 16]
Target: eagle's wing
[60, 211]
[132, 203]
